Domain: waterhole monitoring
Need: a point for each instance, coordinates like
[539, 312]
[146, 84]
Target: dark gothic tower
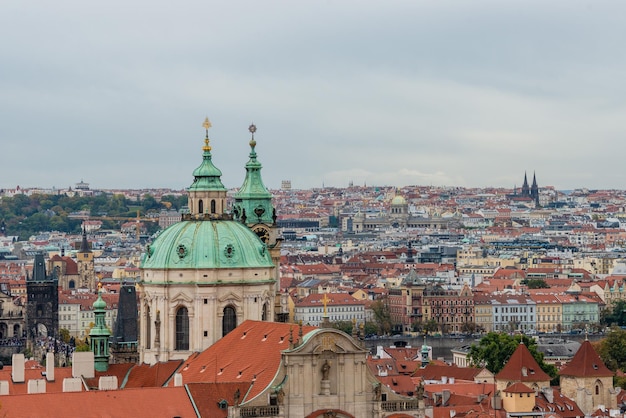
[525, 188]
[534, 190]
[42, 306]
[126, 336]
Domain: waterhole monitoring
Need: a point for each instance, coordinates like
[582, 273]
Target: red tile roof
[586, 363]
[522, 367]
[518, 387]
[144, 375]
[249, 353]
[207, 396]
[147, 402]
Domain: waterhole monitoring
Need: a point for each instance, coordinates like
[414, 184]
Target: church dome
[207, 244]
[99, 304]
[398, 200]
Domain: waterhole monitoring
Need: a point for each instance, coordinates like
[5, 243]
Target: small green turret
[99, 335]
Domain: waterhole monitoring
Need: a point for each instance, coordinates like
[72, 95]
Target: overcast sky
[452, 93]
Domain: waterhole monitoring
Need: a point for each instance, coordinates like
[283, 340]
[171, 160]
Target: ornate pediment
[230, 297]
[182, 298]
[330, 340]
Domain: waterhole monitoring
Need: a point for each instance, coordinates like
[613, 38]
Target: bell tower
[253, 204]
[85, 263]
[207, 194]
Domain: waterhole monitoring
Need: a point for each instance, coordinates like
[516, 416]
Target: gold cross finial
[206, 125]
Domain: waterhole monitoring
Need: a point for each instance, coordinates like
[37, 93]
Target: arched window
[213, 206]
[597, 389]
[200, 206]
[16, 330]
[182, 329]
[264, 313]
[229, 322]
[148, 328]
[71, 284]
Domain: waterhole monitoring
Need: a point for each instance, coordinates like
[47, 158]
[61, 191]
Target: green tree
[345, 326]
[382, 316]
[494, 350]
[535, 283]
[65, 335]
[615, 316]
[417, 325]
[370, 328]
[468, 328]
[612, 349]
[430, 326]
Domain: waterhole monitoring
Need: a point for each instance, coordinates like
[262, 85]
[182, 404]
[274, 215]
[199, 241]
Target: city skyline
[409, 93]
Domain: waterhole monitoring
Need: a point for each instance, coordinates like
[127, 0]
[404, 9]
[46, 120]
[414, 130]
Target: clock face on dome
[262, 233]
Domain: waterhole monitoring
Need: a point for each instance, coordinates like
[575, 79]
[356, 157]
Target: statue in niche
[419, 392]
[157, 329]
[377, 392]
[325, 370]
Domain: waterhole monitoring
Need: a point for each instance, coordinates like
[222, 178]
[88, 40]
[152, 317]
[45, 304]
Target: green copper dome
[207, 176]
[99, 304]
[206, 244]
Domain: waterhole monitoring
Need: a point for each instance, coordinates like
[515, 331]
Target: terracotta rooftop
[586, 363]
[518, 387]
[522, 367]
[207, 396]
[230, 359]
[147, 402]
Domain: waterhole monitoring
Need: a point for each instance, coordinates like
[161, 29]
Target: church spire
[84, 245]
[525, 188]
[253, 202]
[99, 334]
[207, 194]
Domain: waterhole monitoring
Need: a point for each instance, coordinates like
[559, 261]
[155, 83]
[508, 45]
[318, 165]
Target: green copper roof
[206, 244]
[99, 304]
[253, 187]
[207, 176]
[253, 199]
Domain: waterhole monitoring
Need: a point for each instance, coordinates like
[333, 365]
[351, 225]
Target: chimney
[72, 384]
[379, 351]
[4, 387]
[107, 383]
[549, 394]
[445, 397]
[50, 367]
[17, 371]
[178, 379]
[496, 401]
[83, 364]
[37, 386]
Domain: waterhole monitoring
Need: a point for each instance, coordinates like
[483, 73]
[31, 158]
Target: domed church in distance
[206, 274]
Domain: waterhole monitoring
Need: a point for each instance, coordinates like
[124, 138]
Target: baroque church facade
[208, 273]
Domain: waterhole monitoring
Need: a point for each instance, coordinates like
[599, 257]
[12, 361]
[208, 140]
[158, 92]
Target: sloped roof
[33, 372]
[147, 402]
[559, 403]
[207, 396]
[522, 367]
[518, 387]
[436, 372]
[586, 363]
[145, 375]
[252, 352]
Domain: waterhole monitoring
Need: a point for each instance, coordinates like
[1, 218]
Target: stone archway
[330, 413]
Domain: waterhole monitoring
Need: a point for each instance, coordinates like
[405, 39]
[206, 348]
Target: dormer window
[524, 371]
